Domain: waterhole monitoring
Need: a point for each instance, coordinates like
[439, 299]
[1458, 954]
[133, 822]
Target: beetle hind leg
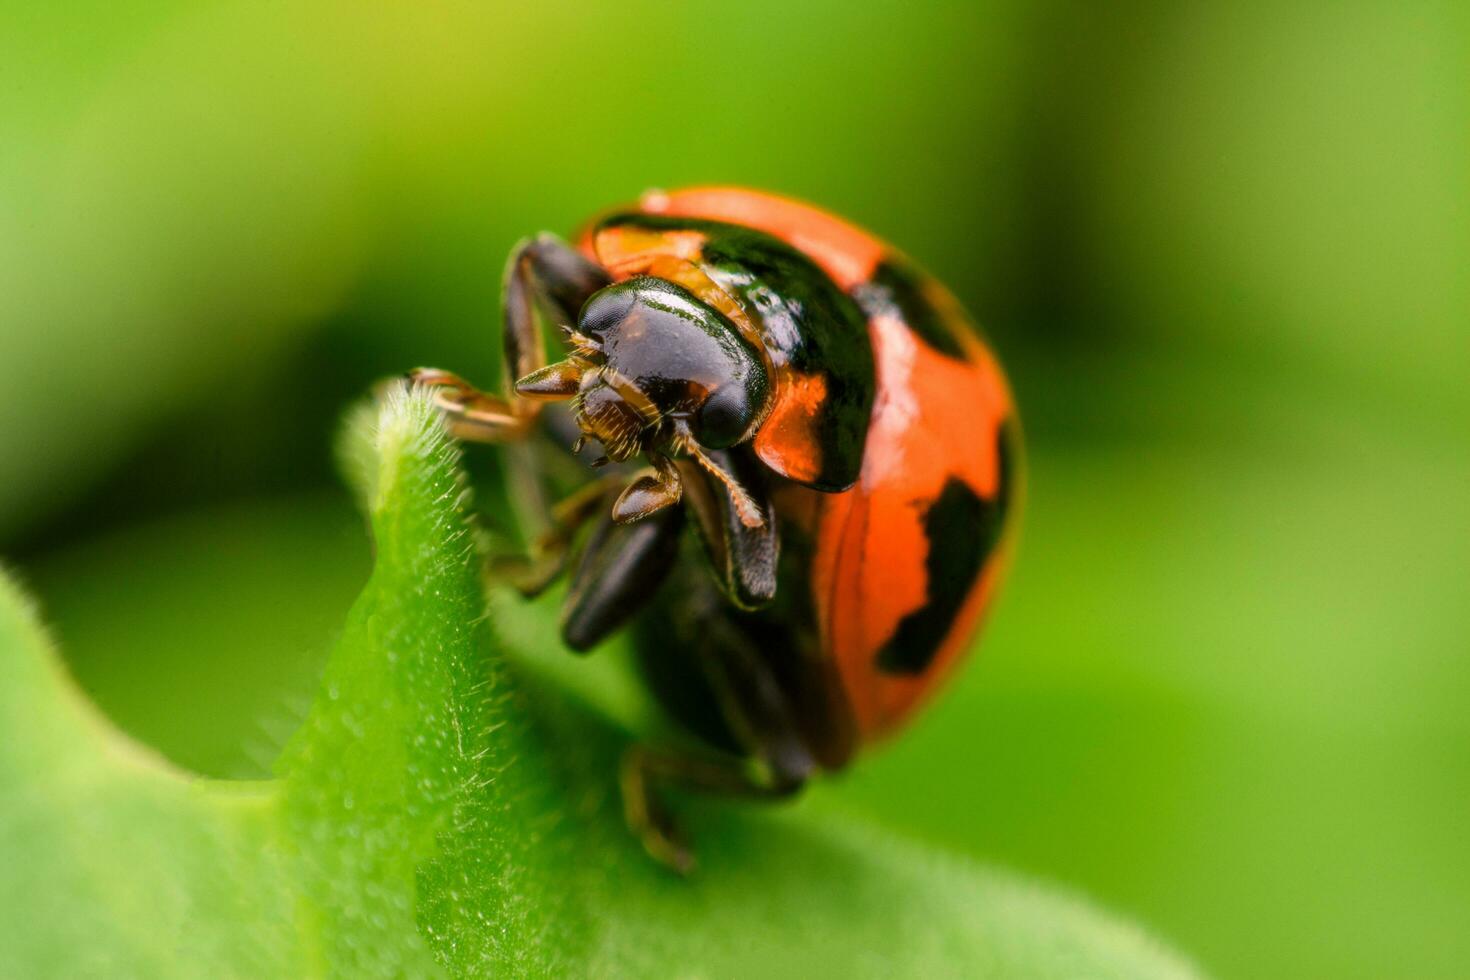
[646, 771]
[716, 681]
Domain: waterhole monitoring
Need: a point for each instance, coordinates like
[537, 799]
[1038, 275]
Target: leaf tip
[399, 423]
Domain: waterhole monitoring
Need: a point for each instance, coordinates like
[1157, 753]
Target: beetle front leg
[469, 413]
[742, 556]
[543, 278]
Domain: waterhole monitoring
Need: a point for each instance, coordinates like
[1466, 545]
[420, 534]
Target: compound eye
[723, 418]
[606, 309]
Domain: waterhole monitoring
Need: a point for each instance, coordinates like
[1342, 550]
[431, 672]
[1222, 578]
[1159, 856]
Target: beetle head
[655, 372]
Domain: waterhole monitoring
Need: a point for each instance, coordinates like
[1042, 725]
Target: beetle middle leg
[544, 279]
[533, 572]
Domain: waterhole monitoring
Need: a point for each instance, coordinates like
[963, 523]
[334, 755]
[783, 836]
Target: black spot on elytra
[898, 289]
[962, 530]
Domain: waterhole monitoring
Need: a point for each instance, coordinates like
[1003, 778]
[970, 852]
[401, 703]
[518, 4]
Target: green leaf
[442, 811]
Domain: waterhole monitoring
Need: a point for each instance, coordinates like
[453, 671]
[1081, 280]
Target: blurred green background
[1225, 250]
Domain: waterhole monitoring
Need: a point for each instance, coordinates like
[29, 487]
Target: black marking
[899, 290]
[962, 530]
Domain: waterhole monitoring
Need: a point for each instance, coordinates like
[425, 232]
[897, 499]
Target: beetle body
[832, 424]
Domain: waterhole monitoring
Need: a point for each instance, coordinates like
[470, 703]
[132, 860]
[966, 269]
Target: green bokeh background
[1225, 250]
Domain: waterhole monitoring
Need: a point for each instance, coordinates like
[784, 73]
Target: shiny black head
[656, 367]
[656, 371]
[677, 360]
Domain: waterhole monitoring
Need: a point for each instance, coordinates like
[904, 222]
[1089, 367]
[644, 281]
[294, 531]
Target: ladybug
[830, 423]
